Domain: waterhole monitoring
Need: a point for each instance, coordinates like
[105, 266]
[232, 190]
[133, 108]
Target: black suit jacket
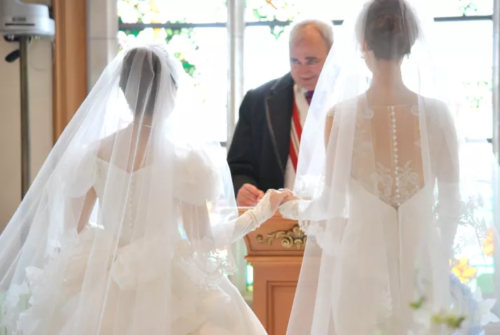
[261, 143]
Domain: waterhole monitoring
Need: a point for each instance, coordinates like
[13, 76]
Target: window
[467, 47]
[268, 28]
[466, 44]
[456, 8]
[261, 67]
[172, 12]
[195, 31]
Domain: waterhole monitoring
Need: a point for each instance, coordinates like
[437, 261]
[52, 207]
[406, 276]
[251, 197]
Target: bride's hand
[279, 197]
[289, 207]
[291, 197]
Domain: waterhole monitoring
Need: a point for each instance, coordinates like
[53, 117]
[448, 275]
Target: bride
[127, 227]
[383, 195]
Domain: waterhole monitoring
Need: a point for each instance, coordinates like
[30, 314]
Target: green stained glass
[280, 10]
[467, 7]
[444, 8]
[479, 93]
[172, 11]
[132, 32]
[277, 31]
[288, 10]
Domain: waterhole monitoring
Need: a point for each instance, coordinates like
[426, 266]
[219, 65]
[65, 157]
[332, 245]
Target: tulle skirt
[196, 309]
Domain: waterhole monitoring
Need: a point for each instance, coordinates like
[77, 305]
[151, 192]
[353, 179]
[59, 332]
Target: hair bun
[389, 29]
[390, 22]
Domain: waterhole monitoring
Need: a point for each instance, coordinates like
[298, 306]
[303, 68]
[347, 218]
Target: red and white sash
[299, 114]
[296, 134]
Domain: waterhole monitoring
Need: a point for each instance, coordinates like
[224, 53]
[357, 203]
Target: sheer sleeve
[197, 189]
[252, 219]
[196, 221]
[299, 209]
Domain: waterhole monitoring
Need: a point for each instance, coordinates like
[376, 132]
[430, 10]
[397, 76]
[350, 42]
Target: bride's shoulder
[90, 155]
[99, 152]
[433, 105]
[198, 171]
[93, 156]
[77, 169]
[346, 105]
[436, 110]
[103, 149]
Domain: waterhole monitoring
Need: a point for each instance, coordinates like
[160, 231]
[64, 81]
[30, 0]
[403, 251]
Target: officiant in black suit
[265, 145]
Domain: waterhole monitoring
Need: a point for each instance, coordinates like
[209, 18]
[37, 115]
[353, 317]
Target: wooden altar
[275, 251]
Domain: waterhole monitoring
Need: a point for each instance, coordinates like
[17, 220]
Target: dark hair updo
[390, 29]
[145, 66]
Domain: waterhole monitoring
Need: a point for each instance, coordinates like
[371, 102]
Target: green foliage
[467, 7]
[445, 318]
[478, 93]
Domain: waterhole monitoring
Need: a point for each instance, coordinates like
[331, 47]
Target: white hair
[325, 29]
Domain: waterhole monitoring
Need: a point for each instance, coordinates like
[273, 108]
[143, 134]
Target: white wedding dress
[395, 194]
[382, 260]
[385, 193]
[200, 308]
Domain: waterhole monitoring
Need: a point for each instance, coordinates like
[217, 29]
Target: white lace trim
[396, 190]
[394, 181]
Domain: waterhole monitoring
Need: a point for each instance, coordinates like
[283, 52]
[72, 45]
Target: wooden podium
[275, 251]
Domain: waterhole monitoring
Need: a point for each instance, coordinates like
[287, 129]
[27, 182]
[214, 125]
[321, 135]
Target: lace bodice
[387, 157]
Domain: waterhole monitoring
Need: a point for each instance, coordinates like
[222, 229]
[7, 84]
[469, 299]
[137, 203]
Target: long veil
[390, 199]
[132, 183]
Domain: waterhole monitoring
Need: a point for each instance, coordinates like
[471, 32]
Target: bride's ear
[364, 47]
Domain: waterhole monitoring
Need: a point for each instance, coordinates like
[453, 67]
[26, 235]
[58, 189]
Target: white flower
[11, 306]
[423, 316]
[487, 316]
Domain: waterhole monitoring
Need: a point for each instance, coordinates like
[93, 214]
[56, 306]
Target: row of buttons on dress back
[130, 199]
[396, 157]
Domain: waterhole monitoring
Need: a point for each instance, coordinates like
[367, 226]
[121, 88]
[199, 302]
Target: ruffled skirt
[196, 308]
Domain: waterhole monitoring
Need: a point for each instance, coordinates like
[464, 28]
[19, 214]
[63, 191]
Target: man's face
[308, 52]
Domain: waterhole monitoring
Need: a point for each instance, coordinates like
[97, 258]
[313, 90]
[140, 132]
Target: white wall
[41, 120]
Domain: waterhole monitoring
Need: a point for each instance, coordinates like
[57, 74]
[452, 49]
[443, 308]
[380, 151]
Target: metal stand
[235, 32]
[25, 117]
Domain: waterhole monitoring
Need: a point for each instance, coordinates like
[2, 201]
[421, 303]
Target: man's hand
[248, 196]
